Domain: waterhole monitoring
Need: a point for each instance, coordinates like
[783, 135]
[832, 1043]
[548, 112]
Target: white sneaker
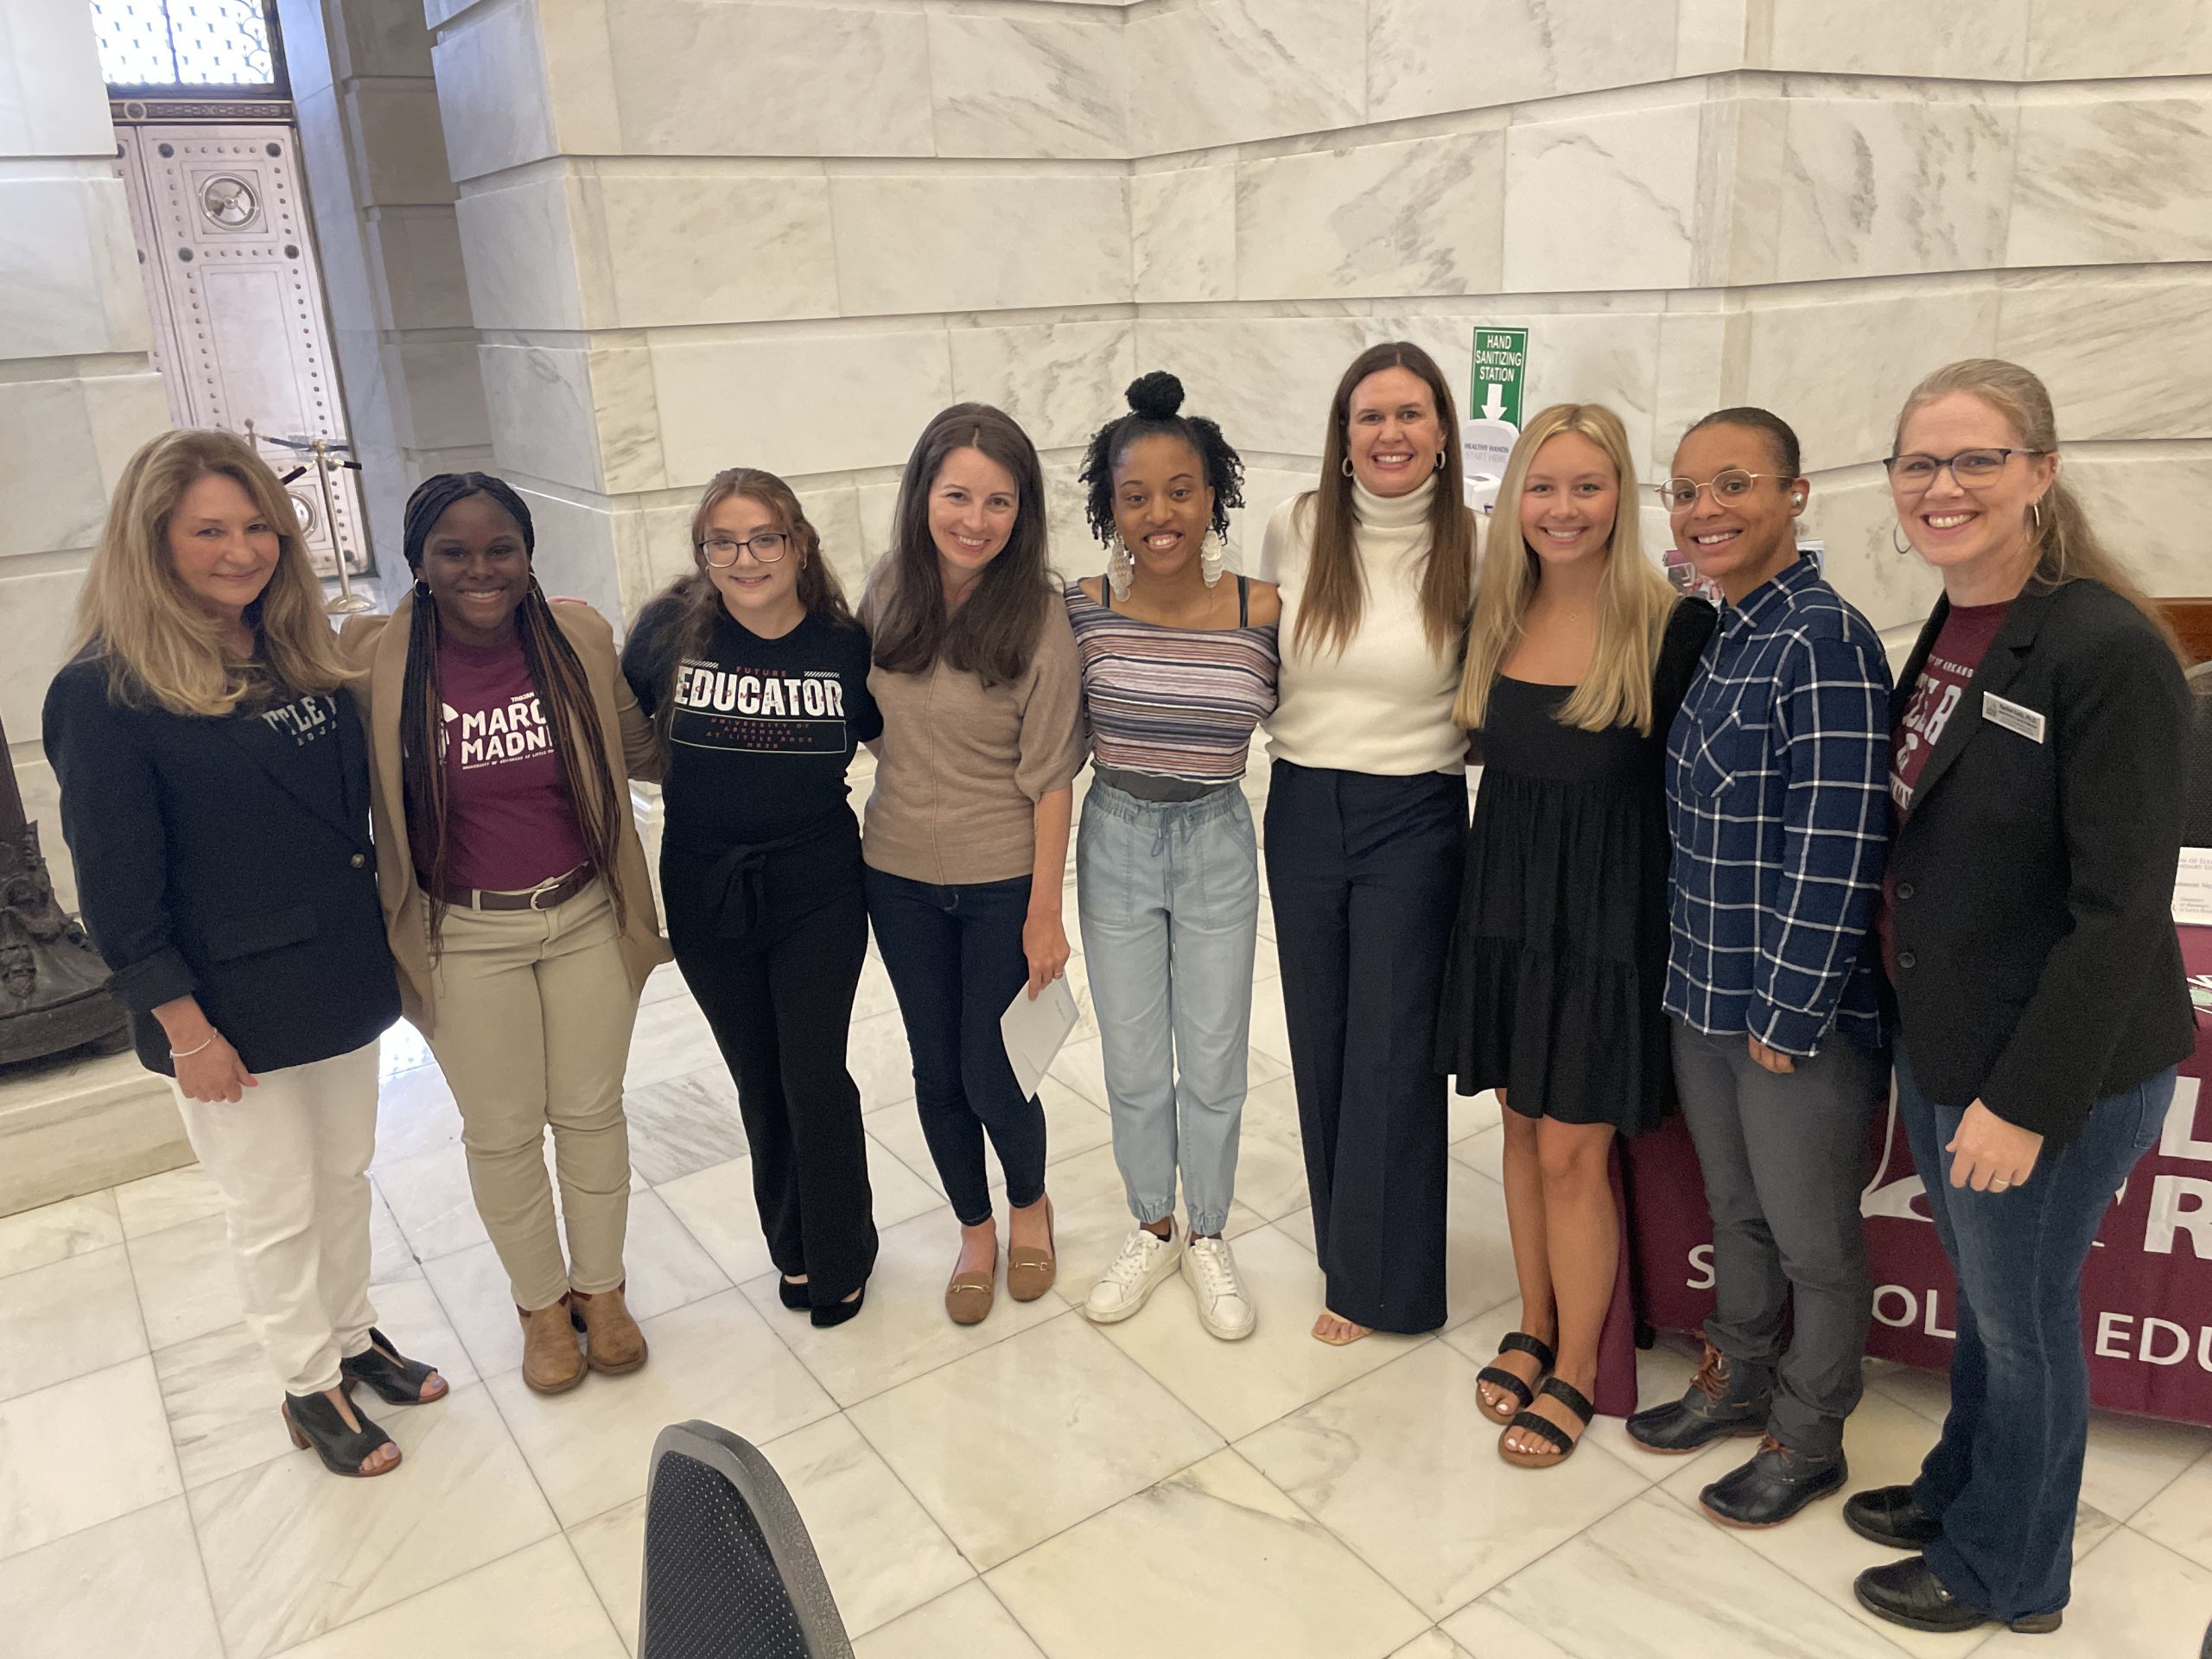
[1223, 1308]
[1145, 1261]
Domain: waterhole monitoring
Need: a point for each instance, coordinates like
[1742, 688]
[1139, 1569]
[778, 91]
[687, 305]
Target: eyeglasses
[1679, 494]
[768, 546]
[1972, 469]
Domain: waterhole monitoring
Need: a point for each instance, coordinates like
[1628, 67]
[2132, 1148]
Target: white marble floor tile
[611, 1549]
[416, 1115]
[2180, 1518]
[877, 1056]
[1402, 1467]
[187, 1285]
[2132, 1459]
[713, 1359]
[1299, 1225]
[1434, 1644]
[899, 1128]
[73, 1316]
[902, 1332]
[1241, 1387]
[969, 1621]
[1298, 1589]
[1270, 1028]
[671, 1040]
[292, 1551]
[221, 1401]
[715, 1205]
[1270, 1154]
[1482, 1152]
[1478, 1251]
[1470, 1115]
[102, 1591]
[160, 1202]
[53, 1232]
[536, 1601]
[1652, 1579]
[684, 1124]
[473, 1287]
[2134, 1598]
[664, 981]
[668, 1267]
[82, 1452]
[390, 1257]
[430, 1200]
[1010, 1445]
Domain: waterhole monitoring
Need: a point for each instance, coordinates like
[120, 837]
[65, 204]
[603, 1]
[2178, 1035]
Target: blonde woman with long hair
[1577, 658]
[215, 797]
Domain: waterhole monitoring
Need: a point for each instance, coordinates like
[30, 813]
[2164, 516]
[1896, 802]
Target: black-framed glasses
[1971, 469]
[1680, 494]
[768, 546]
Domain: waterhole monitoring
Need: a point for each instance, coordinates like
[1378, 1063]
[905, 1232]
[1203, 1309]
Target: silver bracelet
[188, 1053]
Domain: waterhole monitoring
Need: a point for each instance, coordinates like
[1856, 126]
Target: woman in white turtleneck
[1366, 827]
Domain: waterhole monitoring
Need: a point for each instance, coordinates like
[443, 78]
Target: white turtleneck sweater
[1383, 705]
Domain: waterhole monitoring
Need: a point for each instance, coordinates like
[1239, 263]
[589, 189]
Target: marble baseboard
[77, 1127]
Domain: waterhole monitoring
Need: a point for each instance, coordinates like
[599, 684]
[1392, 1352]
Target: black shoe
[791, 1295]
[837, 1313]
[1888, 1516]
[1774, 1486]
[1908, 1592]
[1723, 1399]
[315, 1425]
[397, 1379]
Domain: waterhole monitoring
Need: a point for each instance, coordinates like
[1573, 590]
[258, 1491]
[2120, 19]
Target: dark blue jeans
[2005, 1477]
[955, 958]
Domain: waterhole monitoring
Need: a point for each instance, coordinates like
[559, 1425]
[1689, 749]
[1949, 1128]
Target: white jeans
[291, 1160]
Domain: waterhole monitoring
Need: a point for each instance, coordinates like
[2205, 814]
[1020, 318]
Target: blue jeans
[1168, 893]
[2006, 1476]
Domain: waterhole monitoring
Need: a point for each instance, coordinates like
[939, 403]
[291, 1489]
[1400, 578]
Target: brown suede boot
[613, 1343]
[550, 1363]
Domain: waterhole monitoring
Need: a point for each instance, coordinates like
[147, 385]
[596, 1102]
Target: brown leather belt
[558, 891]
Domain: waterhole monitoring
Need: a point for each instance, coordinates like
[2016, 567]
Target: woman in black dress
[1578, 656]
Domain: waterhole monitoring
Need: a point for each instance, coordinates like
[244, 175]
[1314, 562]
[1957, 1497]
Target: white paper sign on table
[1033, 1032]
[2193, 888]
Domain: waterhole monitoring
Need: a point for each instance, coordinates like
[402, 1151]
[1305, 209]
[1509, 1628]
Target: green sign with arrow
[1501, 370]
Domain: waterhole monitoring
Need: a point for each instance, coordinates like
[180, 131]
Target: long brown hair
[1634, 601]
[699, 601]
[2067, 548]
[993, 633]
[556, 673]
[162, 649]
[1336, 586]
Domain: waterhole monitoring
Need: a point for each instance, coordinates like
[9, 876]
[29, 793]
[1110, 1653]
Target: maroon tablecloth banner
[2147, 1293]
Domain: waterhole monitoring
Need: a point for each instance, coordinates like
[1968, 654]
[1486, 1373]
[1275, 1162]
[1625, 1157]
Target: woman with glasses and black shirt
[756, 677]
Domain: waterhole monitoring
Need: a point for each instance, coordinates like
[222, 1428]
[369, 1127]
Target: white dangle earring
[1213, 555]
[1120, 567]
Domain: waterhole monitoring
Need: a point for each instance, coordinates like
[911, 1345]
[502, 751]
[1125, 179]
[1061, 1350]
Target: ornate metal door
[240, 332]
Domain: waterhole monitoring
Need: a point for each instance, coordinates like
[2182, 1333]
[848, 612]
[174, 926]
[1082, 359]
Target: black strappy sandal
[397, 1381]
[1498, 1377]
[1568, 1395]
[315, 1425]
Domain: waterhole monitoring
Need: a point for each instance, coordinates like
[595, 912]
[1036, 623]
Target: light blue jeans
[1168, 893]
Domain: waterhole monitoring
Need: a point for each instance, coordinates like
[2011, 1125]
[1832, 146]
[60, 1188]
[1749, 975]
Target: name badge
[2012, 717]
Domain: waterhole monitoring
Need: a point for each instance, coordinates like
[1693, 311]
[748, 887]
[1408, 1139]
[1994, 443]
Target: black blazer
[227, 859]
[2032, 883]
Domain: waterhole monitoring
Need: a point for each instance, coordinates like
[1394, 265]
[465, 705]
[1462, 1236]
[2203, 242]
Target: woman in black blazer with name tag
[215, 799]
[2037, 782]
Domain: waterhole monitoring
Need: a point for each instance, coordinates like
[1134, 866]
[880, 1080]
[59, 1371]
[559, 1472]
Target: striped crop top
[1172, 703]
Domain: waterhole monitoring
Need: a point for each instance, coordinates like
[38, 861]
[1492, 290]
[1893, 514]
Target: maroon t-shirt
[511, 824]
[1936, 696]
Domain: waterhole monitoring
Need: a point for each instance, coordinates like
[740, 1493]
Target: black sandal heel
[1498, 1377]
[314, 1426]
[397, 1379]
[1576, 1401]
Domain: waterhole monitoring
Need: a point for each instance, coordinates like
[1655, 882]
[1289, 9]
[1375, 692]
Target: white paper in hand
[1033, 1032]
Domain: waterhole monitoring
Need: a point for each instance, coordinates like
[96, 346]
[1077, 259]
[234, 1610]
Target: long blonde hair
[1634, 600]
[162, 649]
[1336, 586]
[2066, 549]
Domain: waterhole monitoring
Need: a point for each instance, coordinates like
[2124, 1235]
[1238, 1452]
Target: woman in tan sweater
[966, 838]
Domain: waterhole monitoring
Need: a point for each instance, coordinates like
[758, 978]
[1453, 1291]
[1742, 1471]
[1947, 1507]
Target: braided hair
[1154, 400]
[555, 673]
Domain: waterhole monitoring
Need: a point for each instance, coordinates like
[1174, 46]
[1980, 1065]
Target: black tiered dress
[1551, 989]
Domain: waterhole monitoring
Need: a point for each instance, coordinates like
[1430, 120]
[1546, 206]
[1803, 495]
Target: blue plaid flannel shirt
[1777, 795]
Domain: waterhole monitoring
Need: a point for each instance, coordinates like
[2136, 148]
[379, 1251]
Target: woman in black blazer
[2027, 928]
[214, 796]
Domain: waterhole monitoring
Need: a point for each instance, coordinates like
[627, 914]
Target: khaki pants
[533, 1010]
[291, 1160]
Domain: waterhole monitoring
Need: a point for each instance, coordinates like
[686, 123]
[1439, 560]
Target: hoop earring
[1897, 541]
[2035, 517]
[1120, 568]
[1439, 463]
[421, 588]
[1213, 553]
[1344, 466]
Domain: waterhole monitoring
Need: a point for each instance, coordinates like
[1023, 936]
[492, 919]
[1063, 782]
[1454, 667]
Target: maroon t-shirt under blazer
[511, 823]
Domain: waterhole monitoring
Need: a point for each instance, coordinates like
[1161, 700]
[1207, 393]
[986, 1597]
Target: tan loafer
[550, 1361]
[1030, 1272]
[613, 1347]
[969, 1296]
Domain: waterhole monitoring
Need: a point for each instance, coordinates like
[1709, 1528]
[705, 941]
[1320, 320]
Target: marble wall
[702, 231]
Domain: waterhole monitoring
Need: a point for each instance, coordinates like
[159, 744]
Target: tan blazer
[376, 646]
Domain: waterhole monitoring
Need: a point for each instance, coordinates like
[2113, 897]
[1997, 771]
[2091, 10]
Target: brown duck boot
[613, 1343]
[550, 1361]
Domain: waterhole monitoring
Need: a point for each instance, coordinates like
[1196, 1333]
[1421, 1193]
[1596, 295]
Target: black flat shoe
[1908, 1592]
[1887, 1515]
[1723, 1399]
[837, 1313]
[791, 1295]
[1773, 1486]
[1498, 1377]
[315, 1425]
[397, 1381]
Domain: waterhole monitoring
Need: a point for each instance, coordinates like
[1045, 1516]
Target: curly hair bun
[1155, 397]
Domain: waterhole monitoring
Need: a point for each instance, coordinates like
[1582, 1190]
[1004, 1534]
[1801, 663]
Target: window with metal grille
[203, 48]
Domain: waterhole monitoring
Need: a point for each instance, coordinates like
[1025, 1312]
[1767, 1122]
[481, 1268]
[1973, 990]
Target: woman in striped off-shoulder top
[1177, 666]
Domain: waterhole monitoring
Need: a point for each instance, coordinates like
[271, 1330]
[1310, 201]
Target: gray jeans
[1785, 1158]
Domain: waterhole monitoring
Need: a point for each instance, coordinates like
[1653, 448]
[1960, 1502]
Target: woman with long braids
[515, 893]
[756, 676]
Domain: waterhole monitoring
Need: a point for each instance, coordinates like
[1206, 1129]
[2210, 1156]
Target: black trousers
[955, 958]
[1364, 872]
[771, 940]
